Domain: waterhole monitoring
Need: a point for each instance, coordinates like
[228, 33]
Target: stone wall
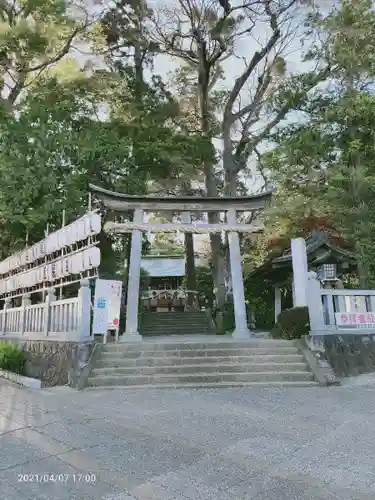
[53, 362]
[347, 354]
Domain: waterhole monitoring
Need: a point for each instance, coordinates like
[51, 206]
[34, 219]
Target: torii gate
[119, 202]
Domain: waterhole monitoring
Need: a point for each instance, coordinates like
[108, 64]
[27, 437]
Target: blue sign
[101, 303]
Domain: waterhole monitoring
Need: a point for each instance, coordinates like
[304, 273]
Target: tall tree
[35, 35]
[205, 36]
[323, 165]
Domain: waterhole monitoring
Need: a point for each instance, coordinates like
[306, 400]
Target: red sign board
[355, 320]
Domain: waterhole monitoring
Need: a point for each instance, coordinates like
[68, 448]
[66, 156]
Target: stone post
[7, 304]
[25, 302]
[315, 305]
[299, 261]
[131, 332]
[84, 311]
[241, 330]
[277, 303]
[50, 297]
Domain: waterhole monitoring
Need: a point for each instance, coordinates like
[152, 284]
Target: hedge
[292, 324]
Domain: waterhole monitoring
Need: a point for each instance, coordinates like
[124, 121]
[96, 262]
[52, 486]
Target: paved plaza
[227, 444]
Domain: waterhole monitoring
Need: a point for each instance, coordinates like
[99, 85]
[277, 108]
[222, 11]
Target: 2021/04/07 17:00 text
[47, 477]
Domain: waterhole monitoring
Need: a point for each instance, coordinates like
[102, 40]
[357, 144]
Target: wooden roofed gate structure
[316, 267]
[123, 203]
[321, 253]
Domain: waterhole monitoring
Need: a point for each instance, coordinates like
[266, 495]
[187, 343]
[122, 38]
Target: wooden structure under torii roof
[121, 203]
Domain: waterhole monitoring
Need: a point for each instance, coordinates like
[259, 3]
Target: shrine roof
[123, 202]
[319, 250]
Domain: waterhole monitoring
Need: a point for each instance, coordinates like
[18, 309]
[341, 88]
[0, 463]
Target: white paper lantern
[81, 229]
[95, 257]
[40, 253]
[63, 240]
[70, 235]
[39, 275]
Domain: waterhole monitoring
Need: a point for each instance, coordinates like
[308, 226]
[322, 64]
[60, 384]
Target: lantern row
[79, 230]
[66, 266]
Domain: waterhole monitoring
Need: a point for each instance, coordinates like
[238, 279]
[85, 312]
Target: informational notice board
[107, 304]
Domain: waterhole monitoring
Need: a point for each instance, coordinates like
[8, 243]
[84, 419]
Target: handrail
[343, 292]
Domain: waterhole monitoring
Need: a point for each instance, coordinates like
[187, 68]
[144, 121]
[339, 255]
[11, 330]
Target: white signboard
[355, 320]
[114, 294]
[101, 309]
[107, 304]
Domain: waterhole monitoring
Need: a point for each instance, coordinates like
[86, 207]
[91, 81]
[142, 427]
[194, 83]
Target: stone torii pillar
[131, 331]
[241, 330]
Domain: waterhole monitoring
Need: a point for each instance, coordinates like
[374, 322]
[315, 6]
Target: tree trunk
[211, 188]
[218, 258]
[362, 268]
[191, 279]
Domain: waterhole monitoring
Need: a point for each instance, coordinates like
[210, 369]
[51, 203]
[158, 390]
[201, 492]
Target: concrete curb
[31, 383]
[325, 377]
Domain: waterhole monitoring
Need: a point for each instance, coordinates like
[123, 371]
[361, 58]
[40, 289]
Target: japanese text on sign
[355, 320]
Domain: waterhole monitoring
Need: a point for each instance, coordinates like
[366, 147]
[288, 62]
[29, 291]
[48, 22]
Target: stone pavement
[227, 444]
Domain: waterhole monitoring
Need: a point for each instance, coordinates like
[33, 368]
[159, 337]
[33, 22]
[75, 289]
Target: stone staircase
[174, 323]
[158, 363]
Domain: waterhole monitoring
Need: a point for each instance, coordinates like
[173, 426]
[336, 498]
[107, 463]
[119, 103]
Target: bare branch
[61, 53]
[249, 145]
[255, 60]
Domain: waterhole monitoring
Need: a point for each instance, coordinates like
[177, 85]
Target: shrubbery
[12, 358]
[292, 324]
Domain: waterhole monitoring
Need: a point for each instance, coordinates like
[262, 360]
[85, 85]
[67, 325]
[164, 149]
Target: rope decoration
[187, 228]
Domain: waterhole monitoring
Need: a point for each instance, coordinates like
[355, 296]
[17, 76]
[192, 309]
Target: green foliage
[12, 358]
[292, 324]
[323, 164]
[205, 283]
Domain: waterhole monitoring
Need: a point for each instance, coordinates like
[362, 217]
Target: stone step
[173, 321]
[174, 328]
[170, 345]
[202, 368]
[199, 353]
[165, 332]
[175, 324]
[164, 327]
[211, 360]
[130, 380]
[174, 317]
[176, 314]
[210, 385]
